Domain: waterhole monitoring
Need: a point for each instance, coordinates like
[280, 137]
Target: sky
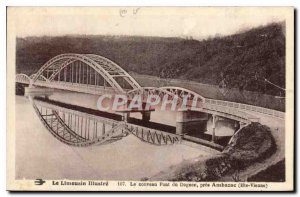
[198, 23]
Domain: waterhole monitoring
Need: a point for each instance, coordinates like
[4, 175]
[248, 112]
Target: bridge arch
[182, 92]
[22, 78]
[41, 77]
[146, 91]
[172, 92]
[106, 68]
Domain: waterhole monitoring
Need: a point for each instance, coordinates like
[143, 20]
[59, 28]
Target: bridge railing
[92, 89]
[246, 107]
[232, 113]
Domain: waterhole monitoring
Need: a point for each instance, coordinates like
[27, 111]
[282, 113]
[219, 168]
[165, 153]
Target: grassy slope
[242, 60]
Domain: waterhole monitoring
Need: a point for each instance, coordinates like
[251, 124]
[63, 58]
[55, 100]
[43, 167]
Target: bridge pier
[126, 116]
[214, 122]
[20, 89]
[146, 115]
[191, 122]
[237, 125]
[103, 128]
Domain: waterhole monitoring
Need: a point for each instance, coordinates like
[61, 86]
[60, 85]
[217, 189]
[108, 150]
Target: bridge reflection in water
[97, 75]
[79, 126]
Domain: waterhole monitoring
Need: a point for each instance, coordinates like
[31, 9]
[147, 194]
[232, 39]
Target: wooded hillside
[241, 60]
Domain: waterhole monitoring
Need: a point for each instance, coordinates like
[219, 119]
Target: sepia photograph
[150, 98]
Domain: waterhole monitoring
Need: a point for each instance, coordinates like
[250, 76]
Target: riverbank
[250, 145]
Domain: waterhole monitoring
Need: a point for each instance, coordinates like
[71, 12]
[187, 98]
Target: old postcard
[150, 98]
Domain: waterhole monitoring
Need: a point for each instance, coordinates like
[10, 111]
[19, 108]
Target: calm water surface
[40, 155]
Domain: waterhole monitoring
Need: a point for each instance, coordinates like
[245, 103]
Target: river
[40, 155]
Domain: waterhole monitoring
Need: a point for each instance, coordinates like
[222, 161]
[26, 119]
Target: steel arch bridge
[87, 71]
[94, 74]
